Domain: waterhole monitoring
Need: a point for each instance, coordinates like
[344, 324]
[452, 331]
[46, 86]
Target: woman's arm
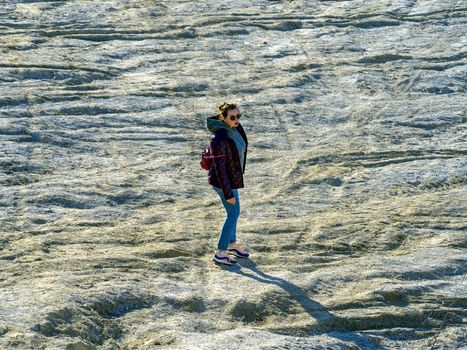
[220, 148]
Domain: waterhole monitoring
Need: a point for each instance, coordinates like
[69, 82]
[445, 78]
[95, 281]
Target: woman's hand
[231, 200]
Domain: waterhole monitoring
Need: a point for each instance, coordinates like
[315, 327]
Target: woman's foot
[238, 250]
[222, 257]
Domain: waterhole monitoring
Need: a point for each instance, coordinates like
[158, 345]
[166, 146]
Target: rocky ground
[354, 207]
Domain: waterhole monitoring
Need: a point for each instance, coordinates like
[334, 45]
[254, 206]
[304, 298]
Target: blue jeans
[229, 229]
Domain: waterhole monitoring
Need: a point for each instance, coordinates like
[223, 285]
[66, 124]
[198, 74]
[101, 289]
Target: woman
[229, 148]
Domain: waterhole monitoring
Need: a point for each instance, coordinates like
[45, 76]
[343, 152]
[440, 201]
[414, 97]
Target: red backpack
[207, 157]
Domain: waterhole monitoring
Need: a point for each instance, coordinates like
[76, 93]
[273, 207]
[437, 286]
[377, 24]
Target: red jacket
[226, 172]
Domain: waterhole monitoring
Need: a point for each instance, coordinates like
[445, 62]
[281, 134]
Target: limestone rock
[354, 205]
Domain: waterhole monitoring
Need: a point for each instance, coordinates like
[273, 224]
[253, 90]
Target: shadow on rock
[313, 308]
[327, 322]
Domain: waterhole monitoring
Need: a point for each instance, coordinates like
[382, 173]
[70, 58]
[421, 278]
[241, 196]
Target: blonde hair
[226, 107]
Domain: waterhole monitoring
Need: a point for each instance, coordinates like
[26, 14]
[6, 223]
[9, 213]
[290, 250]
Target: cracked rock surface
[354, 206]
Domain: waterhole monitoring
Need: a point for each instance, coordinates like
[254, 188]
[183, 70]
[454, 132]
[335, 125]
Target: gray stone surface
[355, 201]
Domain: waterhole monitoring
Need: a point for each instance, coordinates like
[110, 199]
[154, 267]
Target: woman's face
[231, 114]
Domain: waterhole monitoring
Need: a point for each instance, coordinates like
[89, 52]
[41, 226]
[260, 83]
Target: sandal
[239, 251]
[224, 259]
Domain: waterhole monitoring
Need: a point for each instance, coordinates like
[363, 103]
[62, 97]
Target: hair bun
[222, 106]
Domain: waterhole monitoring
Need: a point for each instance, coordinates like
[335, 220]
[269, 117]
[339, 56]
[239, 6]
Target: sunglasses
[233, 117]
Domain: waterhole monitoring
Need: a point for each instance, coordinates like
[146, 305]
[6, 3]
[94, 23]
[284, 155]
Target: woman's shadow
[313, 308]
[327, 322]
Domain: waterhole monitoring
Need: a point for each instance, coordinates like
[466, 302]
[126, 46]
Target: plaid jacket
[226, 172]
